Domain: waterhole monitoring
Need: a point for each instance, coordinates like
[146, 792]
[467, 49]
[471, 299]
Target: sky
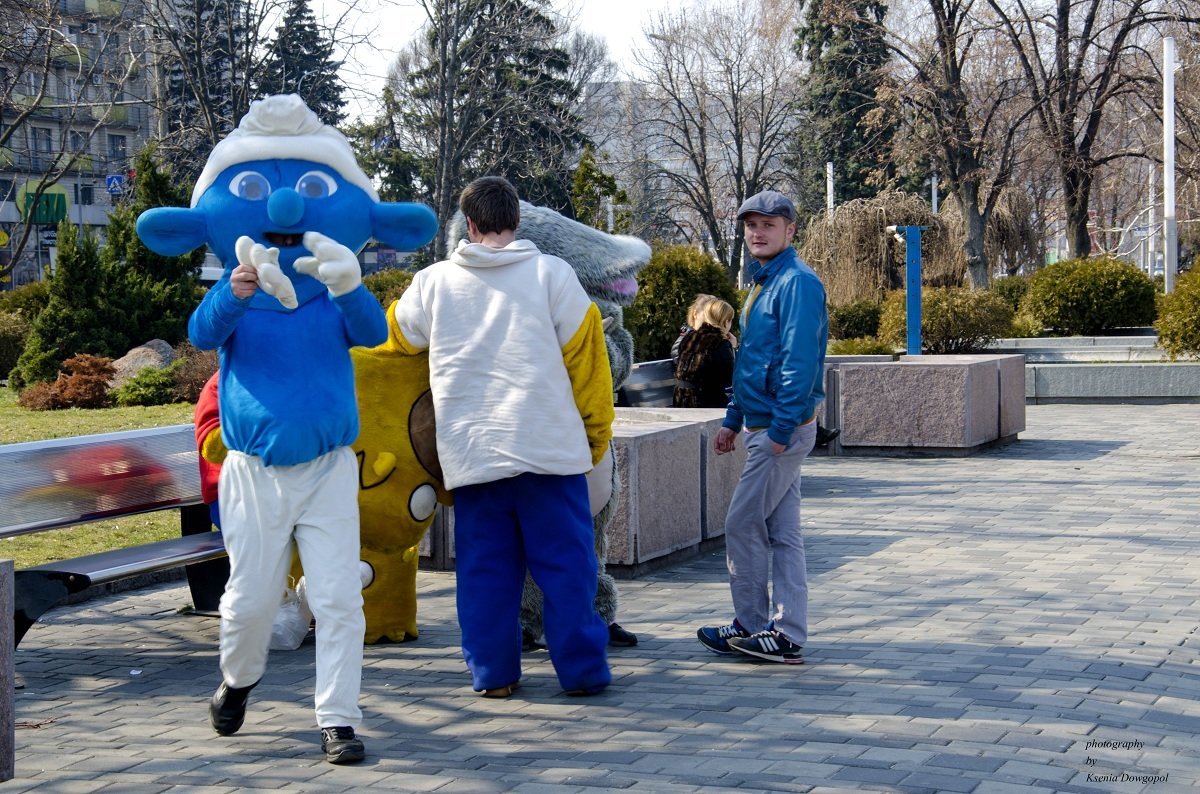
[389, 25]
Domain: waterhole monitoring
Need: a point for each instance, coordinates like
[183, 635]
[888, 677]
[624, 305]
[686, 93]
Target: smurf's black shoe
[341, 746]
[227, 709]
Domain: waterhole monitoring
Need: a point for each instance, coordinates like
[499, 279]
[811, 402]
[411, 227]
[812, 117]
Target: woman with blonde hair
[693, 322]
[704, 371]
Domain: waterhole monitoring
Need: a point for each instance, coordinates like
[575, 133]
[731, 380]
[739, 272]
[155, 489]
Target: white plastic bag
[291, 621]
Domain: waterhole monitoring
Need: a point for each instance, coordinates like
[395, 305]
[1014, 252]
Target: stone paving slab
[1024, 620]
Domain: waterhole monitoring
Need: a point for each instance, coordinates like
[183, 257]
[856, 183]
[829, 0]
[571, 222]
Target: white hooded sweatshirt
[517, 363]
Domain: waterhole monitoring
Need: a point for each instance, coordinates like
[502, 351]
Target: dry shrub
[858, 261]
[83, 385]
[192, 368]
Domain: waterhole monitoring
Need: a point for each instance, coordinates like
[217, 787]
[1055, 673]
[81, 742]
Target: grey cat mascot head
[607, 266]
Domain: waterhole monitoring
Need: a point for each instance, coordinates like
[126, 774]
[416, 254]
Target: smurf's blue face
[274, 202]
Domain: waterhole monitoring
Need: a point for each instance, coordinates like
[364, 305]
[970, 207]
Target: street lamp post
[1170, 227]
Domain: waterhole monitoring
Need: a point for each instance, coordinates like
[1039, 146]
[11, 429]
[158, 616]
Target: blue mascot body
[284, 205]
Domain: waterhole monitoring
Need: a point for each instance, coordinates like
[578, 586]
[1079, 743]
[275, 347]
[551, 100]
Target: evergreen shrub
[861, 346]
[1012, 289]
[29, 299]
[854, 320]
[83, 384]
[953, 320]
[666, 287]
[1178, 322]
[149, 386]
[14, 330]
[1089, 296]
[388, 285]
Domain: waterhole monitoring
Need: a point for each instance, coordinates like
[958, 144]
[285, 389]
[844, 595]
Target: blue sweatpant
[542, 522]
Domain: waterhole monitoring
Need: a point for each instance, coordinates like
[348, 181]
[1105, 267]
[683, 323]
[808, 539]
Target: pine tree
[147, 296]
[300, 61]
[843, 43]
[592, 191]
[73, 320]
[399, 172]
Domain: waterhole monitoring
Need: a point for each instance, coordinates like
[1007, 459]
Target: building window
[42, 142]
[78, 141]
[6, 190]
[116, 147]
[85, 195]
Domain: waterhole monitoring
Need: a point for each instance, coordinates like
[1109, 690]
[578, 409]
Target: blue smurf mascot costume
[285, 206]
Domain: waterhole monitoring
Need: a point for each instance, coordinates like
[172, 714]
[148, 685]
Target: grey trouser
[764, 519]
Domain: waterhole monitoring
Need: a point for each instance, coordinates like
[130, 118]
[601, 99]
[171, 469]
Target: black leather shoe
[227, 709]
[619, 637]
[825, 436]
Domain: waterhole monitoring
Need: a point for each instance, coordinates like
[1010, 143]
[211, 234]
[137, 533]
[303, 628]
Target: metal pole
[912, 286]
[1170, 230]
[829, 188]
[934, 191]
[1152, 232]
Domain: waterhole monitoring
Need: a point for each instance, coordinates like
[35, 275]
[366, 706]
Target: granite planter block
[1011, 371]
[1113, 382]
[932, 402]
[658, 472]
[7, 673]
[718, 473]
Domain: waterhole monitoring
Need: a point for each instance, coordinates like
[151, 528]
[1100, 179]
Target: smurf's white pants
[264, 511]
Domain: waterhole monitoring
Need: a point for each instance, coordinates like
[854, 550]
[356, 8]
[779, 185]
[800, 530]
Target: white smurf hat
[282, 127]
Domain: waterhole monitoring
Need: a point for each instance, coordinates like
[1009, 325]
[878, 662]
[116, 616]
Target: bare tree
[968, 116]
[718, 100]
[56, 91]
[1078, 60]
[204, 54]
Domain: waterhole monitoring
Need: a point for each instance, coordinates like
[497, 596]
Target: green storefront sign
[50, 208]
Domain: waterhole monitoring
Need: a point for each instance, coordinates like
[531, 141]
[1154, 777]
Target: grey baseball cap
[768, 202]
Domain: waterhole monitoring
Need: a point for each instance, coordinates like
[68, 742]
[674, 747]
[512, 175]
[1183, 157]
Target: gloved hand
[332, 264]
[270, 276]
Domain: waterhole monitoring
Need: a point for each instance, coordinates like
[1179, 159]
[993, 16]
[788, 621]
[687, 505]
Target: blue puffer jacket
[779, 380]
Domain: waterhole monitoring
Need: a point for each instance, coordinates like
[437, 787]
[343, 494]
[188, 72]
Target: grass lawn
[18, 424]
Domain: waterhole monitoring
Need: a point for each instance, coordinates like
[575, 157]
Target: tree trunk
[1077, 182]
[974, 225]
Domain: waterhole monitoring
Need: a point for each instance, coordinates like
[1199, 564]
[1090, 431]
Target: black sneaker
[227, 709]
[716, 638]
[619, 637]
[769, 645]
[341, 746]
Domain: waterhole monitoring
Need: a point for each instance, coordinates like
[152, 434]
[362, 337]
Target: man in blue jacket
[778, 384]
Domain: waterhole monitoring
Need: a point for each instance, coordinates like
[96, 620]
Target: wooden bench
[73, 481]
[651, 384]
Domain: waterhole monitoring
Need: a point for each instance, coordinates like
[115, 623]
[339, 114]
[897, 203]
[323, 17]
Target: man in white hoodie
[523, 398]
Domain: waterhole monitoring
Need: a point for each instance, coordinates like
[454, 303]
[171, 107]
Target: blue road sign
[114, 183]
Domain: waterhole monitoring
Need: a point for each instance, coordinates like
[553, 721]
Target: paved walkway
[1022, 620]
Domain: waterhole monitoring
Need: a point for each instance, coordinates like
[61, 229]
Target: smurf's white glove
[332, 264]
[271, 277]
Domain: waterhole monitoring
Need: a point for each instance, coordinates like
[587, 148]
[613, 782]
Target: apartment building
[81, 77]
